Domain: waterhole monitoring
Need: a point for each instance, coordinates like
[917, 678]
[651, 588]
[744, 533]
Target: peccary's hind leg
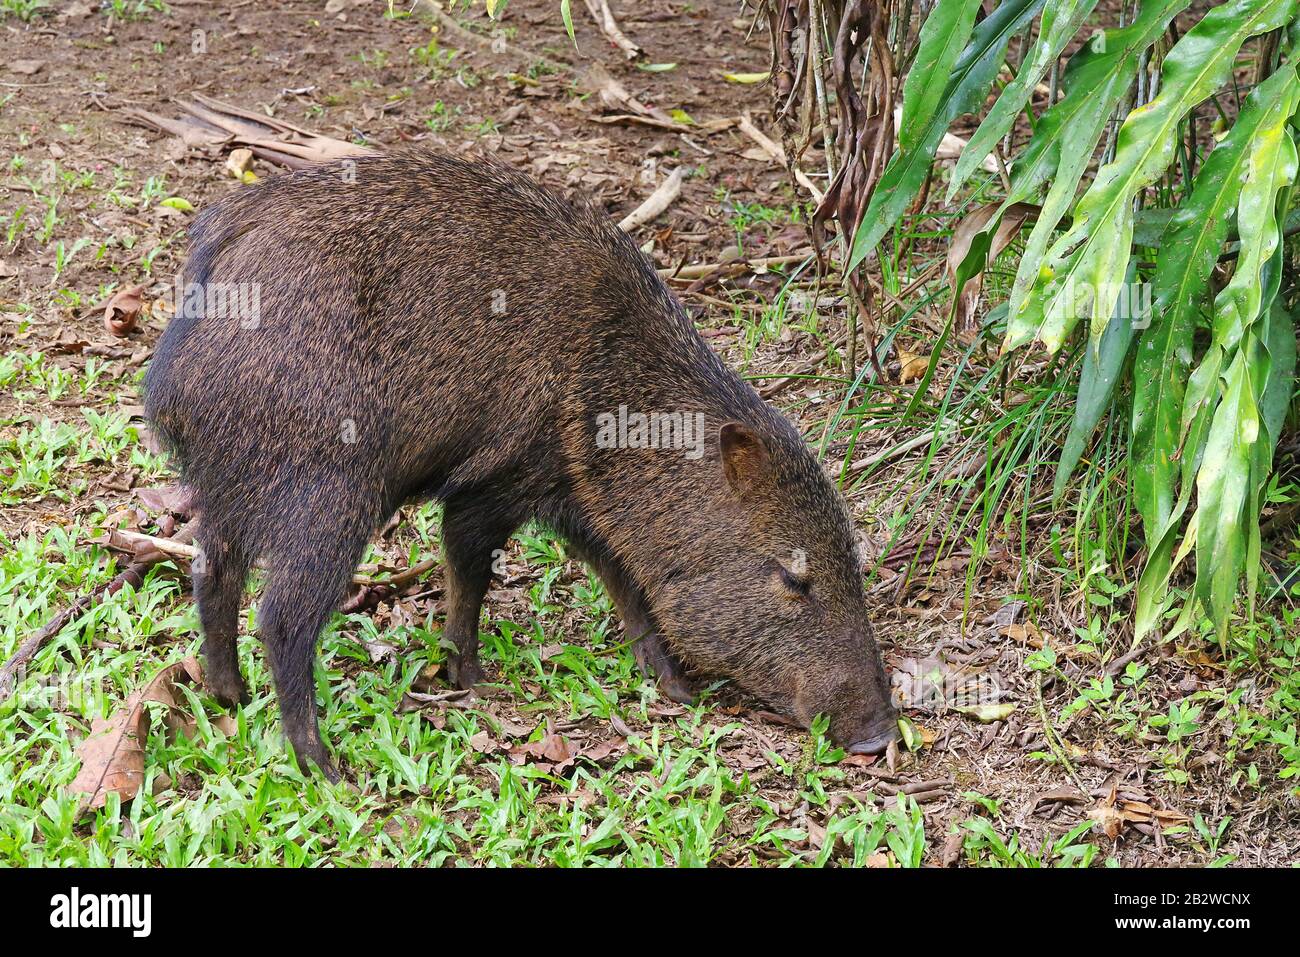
[306, 584]
[471, 531]
[219, 573]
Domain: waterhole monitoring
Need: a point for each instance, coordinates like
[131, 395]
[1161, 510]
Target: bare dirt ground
[346, 70]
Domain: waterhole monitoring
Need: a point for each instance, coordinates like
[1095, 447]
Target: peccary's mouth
[878, 741]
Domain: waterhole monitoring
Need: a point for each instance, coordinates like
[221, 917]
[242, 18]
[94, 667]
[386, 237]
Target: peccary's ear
[745, 460]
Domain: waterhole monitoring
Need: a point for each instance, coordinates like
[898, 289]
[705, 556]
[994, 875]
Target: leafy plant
[1166, 233]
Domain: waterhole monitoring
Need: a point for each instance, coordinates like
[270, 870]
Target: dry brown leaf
[122, 311]
[619, 725]
[226, 724]
[1140, 812]
[1016, 215]
[484, 743]
[1108, 819]
[512, 728]
[112, 755]
[1028, 634]
[603, 749]
[615, 97]
[552, 753]
[952, 847]
[911, 366]
[239, 162]
[860, 760]
[174, 499]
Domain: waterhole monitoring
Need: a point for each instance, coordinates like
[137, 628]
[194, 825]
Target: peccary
[407, 326]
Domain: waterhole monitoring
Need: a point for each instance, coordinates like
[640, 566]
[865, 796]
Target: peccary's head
[771, 593]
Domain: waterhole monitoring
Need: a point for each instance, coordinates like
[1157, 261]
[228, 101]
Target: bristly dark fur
[434, 327]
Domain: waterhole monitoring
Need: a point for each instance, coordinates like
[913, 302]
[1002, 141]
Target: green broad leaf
[1089, 84]
[1270, 165]
[1078, 142]
[1095, 250]
[971, 77]
[912, 738]
[1279, 341]
[1149, 225]
[178, 203]
[1063, 143]
[1162, 560]
[1221, 488]
[566, 14]
[1240, 441]
[943, 37]
[1101, 370]
[1059, 24]
[1188, 251]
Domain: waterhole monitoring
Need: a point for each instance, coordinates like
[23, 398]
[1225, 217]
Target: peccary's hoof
[677, 688]
[309, 758]
[229, 695]
[656, 661]
[464, 674]
[327, 769]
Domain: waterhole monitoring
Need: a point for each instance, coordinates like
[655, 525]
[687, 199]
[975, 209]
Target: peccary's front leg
[652, 654]
[471, 533]
[654, 658]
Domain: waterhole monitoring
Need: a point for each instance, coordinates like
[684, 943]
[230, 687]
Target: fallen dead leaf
[1108, 819]
[1015, 216]
[911, 366]
[987, 713]
[1028, 634]
[172, 499]
[860, 760]
[415, 700]
[122, 311]
[112, 755]
[952, 847]
[619, 725]
[1111, 814]
[484, 743]
[553, 752]
[239, 162]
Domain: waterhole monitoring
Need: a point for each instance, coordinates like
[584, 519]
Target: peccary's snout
[854, 692]
[880, 738]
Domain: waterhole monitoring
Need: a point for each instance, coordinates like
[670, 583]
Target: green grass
[423, 787]
[420, 794]
[24, 10]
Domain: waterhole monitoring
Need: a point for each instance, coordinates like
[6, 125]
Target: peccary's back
[402, 320]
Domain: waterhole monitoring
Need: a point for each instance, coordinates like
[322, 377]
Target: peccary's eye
[797, 586]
